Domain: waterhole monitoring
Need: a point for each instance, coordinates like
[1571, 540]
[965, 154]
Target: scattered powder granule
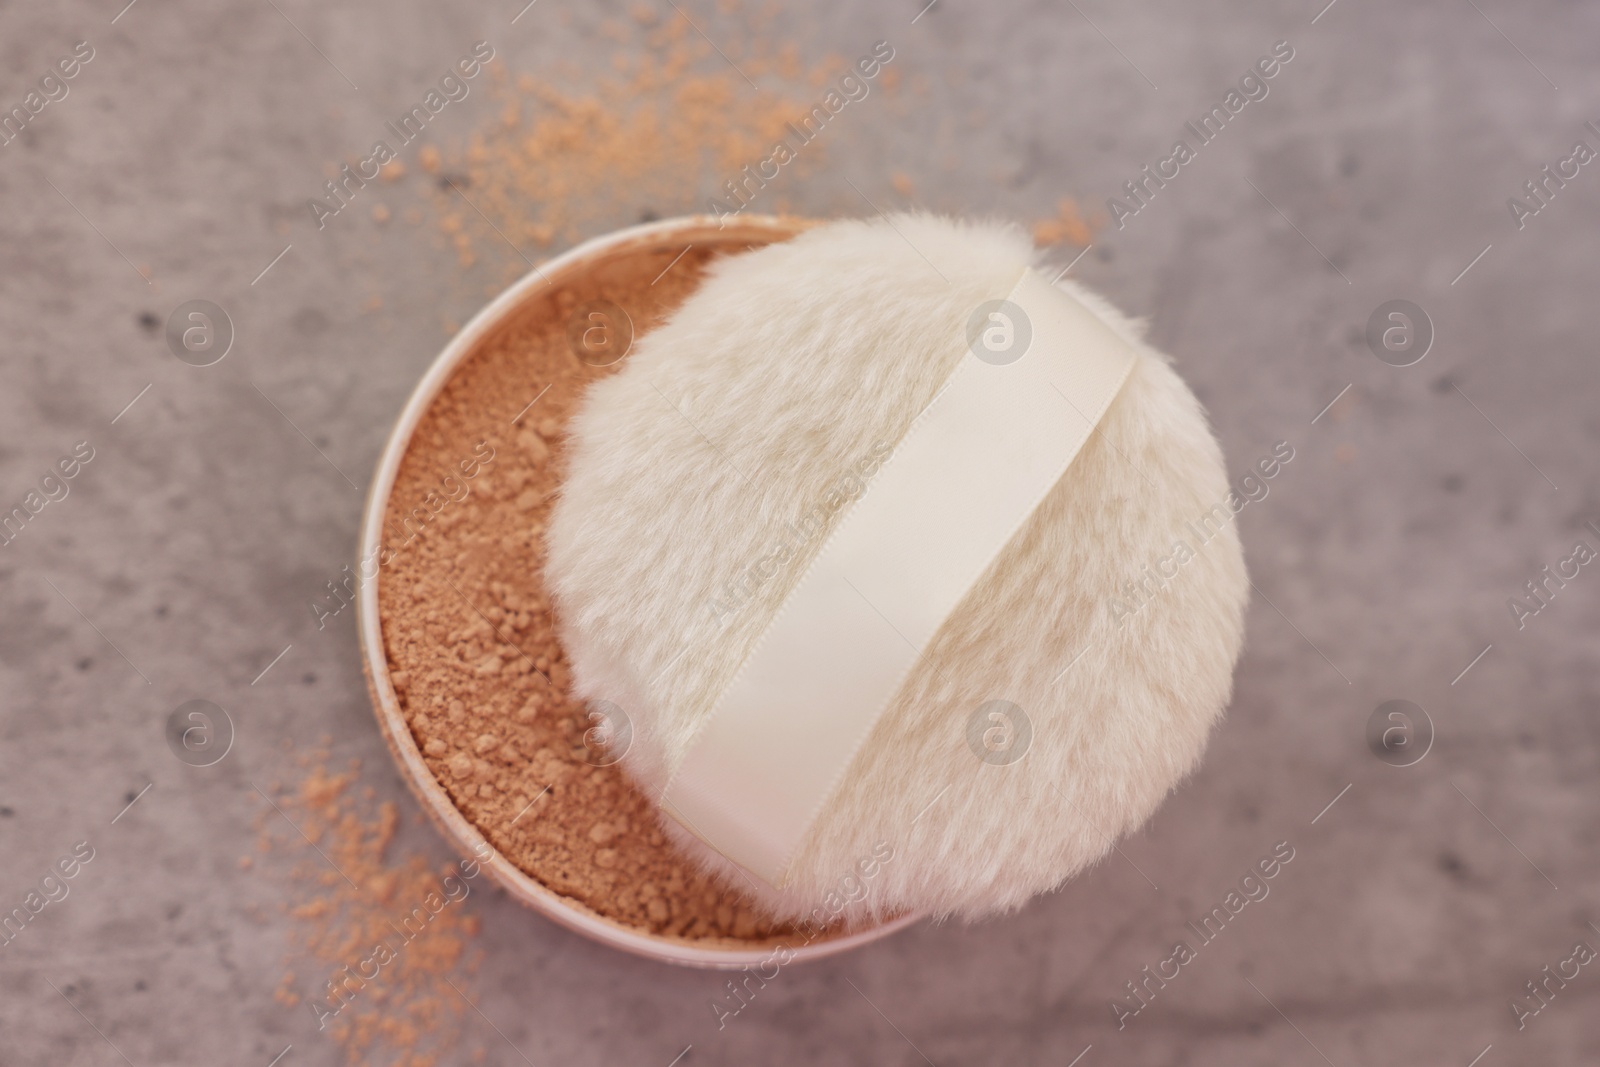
[377, 944]
[568, 152]
[1068, 226]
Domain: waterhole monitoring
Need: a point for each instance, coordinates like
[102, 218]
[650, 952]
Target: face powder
[466, 625]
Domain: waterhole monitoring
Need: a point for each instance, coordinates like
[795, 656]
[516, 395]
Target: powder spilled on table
[374, 939]
[567, 154]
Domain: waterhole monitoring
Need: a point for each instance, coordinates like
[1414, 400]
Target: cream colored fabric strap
[968, 473]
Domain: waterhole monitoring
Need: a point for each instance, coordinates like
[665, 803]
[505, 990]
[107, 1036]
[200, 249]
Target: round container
[672, 234]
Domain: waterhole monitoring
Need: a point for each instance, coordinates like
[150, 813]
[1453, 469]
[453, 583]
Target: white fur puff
[743, 412]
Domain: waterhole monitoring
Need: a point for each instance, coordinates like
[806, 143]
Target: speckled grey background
[1416, 907]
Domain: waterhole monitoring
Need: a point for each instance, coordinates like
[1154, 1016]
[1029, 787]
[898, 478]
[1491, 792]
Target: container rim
[455, 826]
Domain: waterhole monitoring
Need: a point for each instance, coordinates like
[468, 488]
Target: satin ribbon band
[1039, 372]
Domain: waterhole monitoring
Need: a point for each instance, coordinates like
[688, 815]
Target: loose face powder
[466, 620]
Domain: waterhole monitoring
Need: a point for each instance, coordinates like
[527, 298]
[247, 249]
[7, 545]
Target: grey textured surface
[1416, 907]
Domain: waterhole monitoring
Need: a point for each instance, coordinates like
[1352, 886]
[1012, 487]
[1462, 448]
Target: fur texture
[742, 413]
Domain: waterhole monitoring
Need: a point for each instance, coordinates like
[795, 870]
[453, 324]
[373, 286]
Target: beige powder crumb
[534, 445]
[428, 159]
[1067, 227]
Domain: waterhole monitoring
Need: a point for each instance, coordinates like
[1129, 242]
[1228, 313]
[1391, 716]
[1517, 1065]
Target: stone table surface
[1421, 500]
